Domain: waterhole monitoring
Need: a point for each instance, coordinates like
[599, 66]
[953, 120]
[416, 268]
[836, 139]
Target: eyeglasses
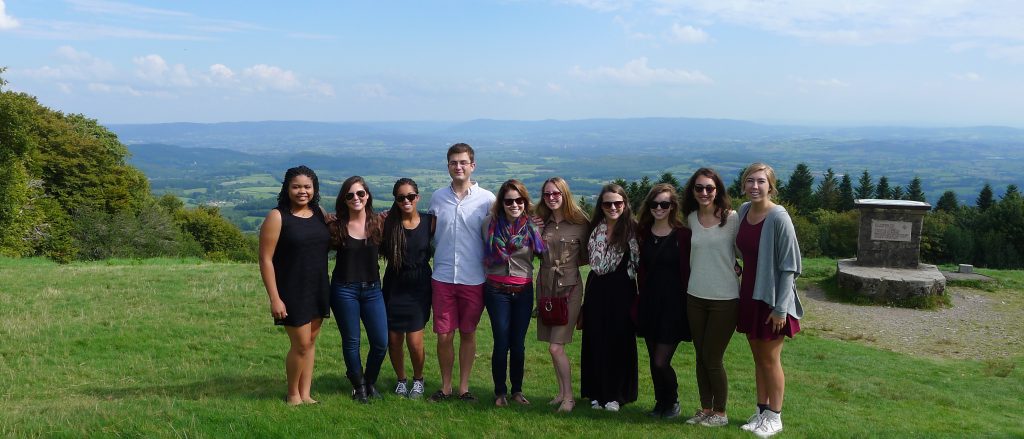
[661, 204]
[510, 201]
[359, 193]
[462, 163]
[408, 197]
[552, 195]
[702, 189]
[611, 204]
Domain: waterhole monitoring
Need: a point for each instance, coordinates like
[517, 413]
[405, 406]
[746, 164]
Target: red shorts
[456, 306]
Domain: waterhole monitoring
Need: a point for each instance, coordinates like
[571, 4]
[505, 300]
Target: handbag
[554, 310]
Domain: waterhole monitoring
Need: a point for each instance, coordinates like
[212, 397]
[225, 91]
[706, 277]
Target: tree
[799, 189]
[668, 178]
[897, 193]
[846, 200]
[827, 195]
[637, 191]
[882, 190]
[985, 198]
[736, 188]
[1012, 193]
[865, 186]
[914, 190]
[947, 202]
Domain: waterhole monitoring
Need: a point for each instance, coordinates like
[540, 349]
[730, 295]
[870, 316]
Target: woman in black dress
[663, 275]
[294, 241]
[608, 363]
[406, 247]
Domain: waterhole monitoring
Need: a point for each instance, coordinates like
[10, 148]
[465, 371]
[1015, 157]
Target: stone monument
[888, 266]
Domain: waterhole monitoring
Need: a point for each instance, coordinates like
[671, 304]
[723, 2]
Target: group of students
[668, 274]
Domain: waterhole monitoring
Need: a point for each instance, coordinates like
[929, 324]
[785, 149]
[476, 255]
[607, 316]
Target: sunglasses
[661, 204]
[359, 193]
[510, 201]
[702, 189]
[553, 195]
[610, 204]
[403, 198]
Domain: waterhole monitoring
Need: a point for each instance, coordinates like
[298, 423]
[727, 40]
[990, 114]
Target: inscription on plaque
[890, 230]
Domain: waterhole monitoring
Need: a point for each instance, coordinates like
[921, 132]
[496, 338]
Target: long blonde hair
[570, 210]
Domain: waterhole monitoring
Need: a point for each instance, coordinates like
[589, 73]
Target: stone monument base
[909, 287]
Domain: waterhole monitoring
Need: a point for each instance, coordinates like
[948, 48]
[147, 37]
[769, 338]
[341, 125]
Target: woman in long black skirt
[608, 367]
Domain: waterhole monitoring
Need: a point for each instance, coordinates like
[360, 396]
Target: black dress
[608, 361]
[300, 267]
[407, 291]
[661, 311]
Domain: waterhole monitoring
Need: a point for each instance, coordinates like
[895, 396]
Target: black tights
[662, 374]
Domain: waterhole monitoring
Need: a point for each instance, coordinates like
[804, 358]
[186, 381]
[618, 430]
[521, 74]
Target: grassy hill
[185, 348]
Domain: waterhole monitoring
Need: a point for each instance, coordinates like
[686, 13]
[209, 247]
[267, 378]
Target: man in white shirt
[458, 275]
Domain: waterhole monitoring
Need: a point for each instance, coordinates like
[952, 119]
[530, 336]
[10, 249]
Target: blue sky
[934, 62]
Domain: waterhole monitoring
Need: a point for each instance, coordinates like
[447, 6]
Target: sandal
[555, 401]
[566, 406]
[520, 399]
[501, 401]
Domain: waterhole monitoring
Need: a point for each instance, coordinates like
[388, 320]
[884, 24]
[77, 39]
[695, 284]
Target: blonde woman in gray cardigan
[769, 308]
[713, 292]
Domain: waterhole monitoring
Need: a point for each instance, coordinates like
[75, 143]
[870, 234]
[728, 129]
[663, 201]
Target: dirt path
[979, 325]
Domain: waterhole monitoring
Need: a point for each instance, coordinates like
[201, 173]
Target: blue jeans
[349, 302]
[510, 318]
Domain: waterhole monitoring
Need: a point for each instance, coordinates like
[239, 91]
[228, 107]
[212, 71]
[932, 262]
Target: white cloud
[968, 76]
[264, 77]
[687, 34]
[502, 87]
[555, 88]
[861, 22]
[221, 73]
[154, 69]
[638, 73]
[372, 91]
[64, 87]
[77, 65]
[7, 21]
[627, 27]
[601, 5]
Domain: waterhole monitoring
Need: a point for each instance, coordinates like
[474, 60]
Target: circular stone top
[892, 204]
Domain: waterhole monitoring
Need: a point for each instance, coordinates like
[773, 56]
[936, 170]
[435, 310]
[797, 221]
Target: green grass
[185, 348]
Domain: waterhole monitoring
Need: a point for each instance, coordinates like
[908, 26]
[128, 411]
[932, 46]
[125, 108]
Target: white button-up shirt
[458, 239]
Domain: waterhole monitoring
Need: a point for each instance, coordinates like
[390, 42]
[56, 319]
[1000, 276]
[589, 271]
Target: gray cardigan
[778, 263]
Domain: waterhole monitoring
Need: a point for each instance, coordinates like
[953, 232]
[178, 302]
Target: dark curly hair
[722, 202]
[393, 241]
[284, 202]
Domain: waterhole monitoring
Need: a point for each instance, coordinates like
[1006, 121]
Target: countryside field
[184, 348]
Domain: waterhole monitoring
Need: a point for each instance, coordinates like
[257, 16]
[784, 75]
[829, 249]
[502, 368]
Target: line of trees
[987, 233]
[66, 192]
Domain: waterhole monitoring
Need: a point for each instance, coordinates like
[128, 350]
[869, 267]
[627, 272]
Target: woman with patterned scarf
[608, 364]
[511, 240]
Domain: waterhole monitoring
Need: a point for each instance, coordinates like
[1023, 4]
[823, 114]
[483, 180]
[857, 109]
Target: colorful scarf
[503, 239]
[604, 258]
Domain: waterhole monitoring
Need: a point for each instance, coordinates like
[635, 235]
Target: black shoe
[358, 387]
[439, 396]
[371, 392]
[467, 397]
[671, 412]
[657, 412]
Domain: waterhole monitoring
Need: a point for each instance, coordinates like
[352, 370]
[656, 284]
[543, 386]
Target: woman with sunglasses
[565, 234]
[405, 246]
[769, 308]
[355, 285]
[662, 278]
[511, 240]
[713, 291]
[608, 361]
[294, 241]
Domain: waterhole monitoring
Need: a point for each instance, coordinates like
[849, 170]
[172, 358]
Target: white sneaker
[612, 406]
[596, 405]
[402, 388]
[417, 389]
[715, 420]
[771, 423]
[752, 422]
[696, 418]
